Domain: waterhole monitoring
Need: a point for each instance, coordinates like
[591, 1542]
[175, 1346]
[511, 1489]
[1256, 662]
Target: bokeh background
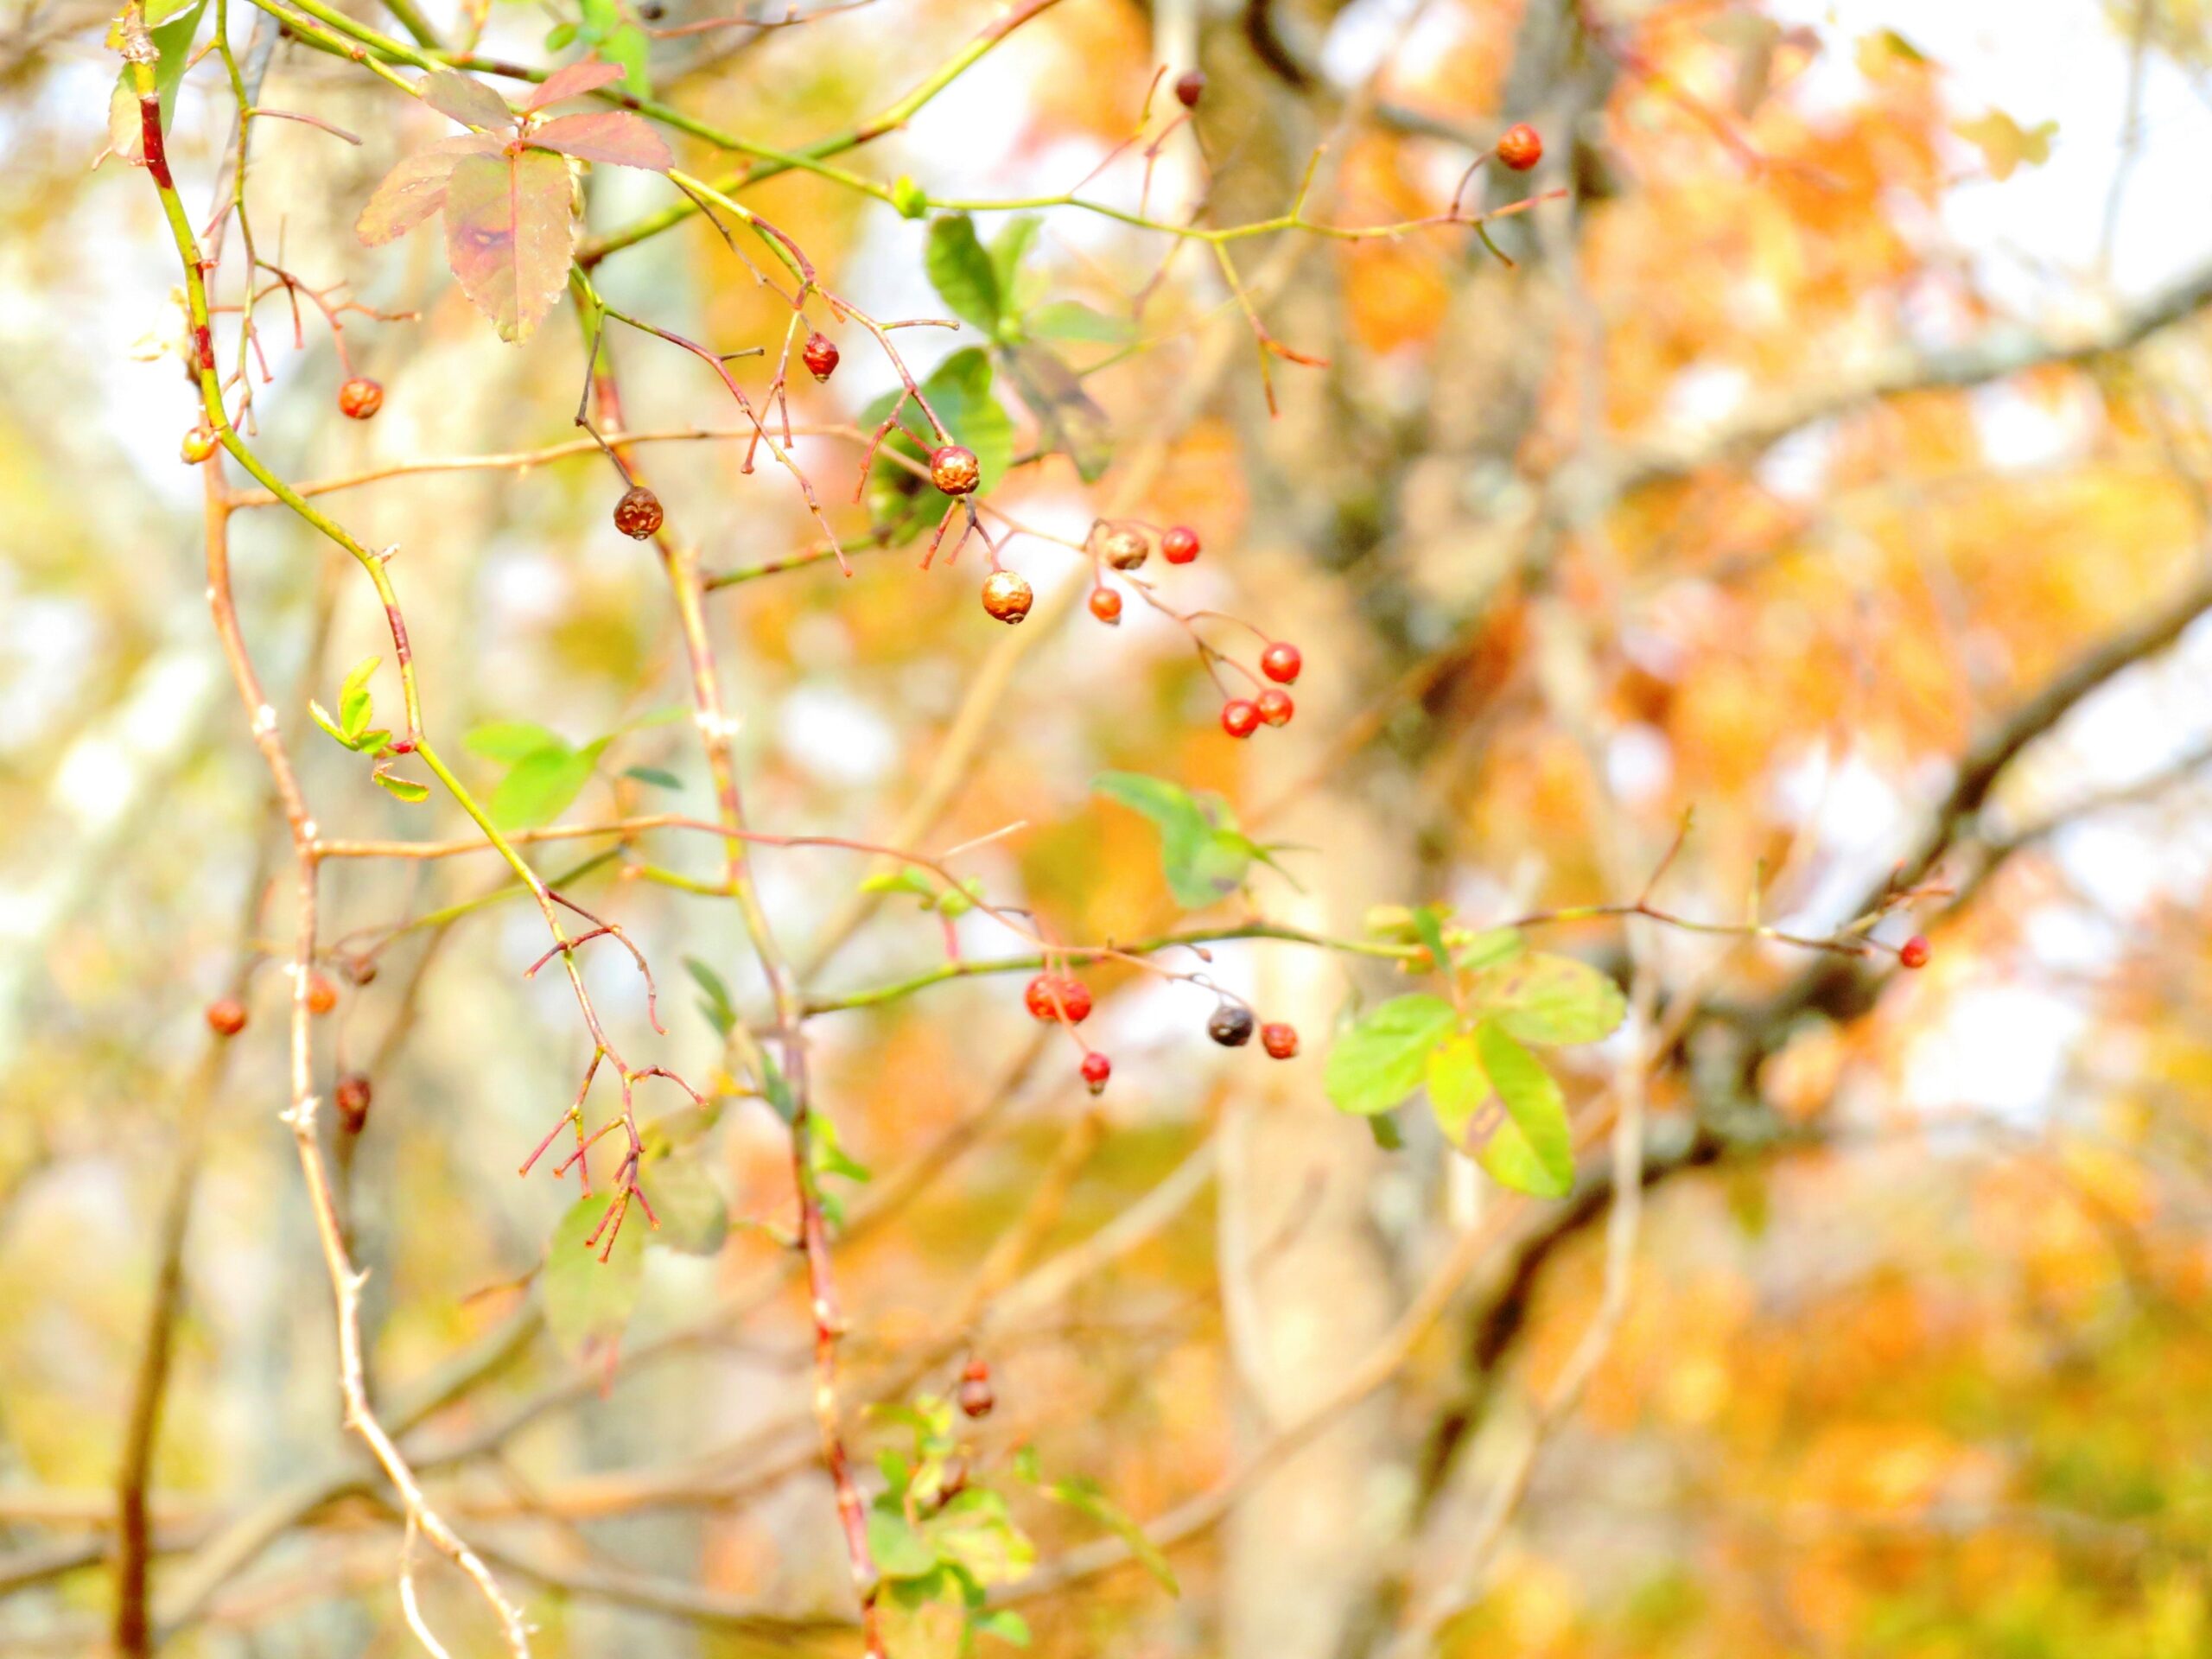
[1830, 462]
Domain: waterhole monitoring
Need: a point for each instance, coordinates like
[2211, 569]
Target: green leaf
[654, 776]
[171, 28]
[959, 389]
[1202, 853]
[1004, 1623]
[1551, 999]
[900, 1551]
[558, 37]
[1459, 1087]
[354, 703]
[1383, 1058]
[694, 1217]
[923, 1617]
[961, 271]
[587, 1301]
[1533, 1152]
[1086, 1495]
[405, 789]
[1428, 923]
[776, 1090]
[1383, 1129]
[1073, 320]
[539, 787]
[1008, 248]
[321, 717]
[1488, 948]
[509, 741]
[720, 1013]
[975, 1533]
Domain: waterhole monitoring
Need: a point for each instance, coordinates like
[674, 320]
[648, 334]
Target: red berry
[976, 1397]
[955, 470]
[1914, 952]
[1190, 88]
[1280, 663]
[323, 995]
[638, 514]
[359, 398]
[1007, 596]
[820, 356]
[1179, 545]
[1058, 996]
[353, 1098]
[1521, 147]
[1106, 605]
[1240, 718]
[1275, 707]
[226, 1016]
[1279, 1040]
[1096, 1068]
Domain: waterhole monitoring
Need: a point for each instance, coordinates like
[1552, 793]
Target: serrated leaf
[975, 1533]
[614, 137]
[1533, 1152]
[1459, 1087]
[1073, 320]
[694, 1216]
[588, 1302]
[405, 789]
[1086, 1495]
[1382, 1058]
[1551, 999]
[961, 271]
[466, 99]
[539, 787]
[573, 81]
[415, 189]
[321, 716]
[354, 703]
[899, 1549]
[509, 236]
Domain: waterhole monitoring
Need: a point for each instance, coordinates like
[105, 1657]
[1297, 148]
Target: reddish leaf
[613, 136]
[469, 102]
[574, 81]
[415, 189]
[509, 236]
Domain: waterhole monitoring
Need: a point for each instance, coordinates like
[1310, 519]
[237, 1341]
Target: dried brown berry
[1274, 706]
[1007, 596]
[1190, 88]
[955, 470]
[1521, 147]
[323, 995]
[1231, 1025]
[1106, 605]
[1124, 546]
[226, 1016]
[820, 356]
[1096, 1068]
[1279, 1040]
[353, 1098]
[359, 398]
[1056, 996]
[1240, 718]
[1179, 545]
[638, 514]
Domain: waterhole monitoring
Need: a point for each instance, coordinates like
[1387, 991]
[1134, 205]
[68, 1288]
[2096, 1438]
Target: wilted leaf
[1383, 1058]
[962, 272]
[466, 99]
[587, 1301]
[615, 137]
[1551, 999]
[1073, 423]
[415, 189]
[509, 236]
[574, 80]
[1534, 1151]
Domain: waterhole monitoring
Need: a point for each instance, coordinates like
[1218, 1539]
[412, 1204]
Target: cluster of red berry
[1242, 716]
[1063, 998]
[1126, 547]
